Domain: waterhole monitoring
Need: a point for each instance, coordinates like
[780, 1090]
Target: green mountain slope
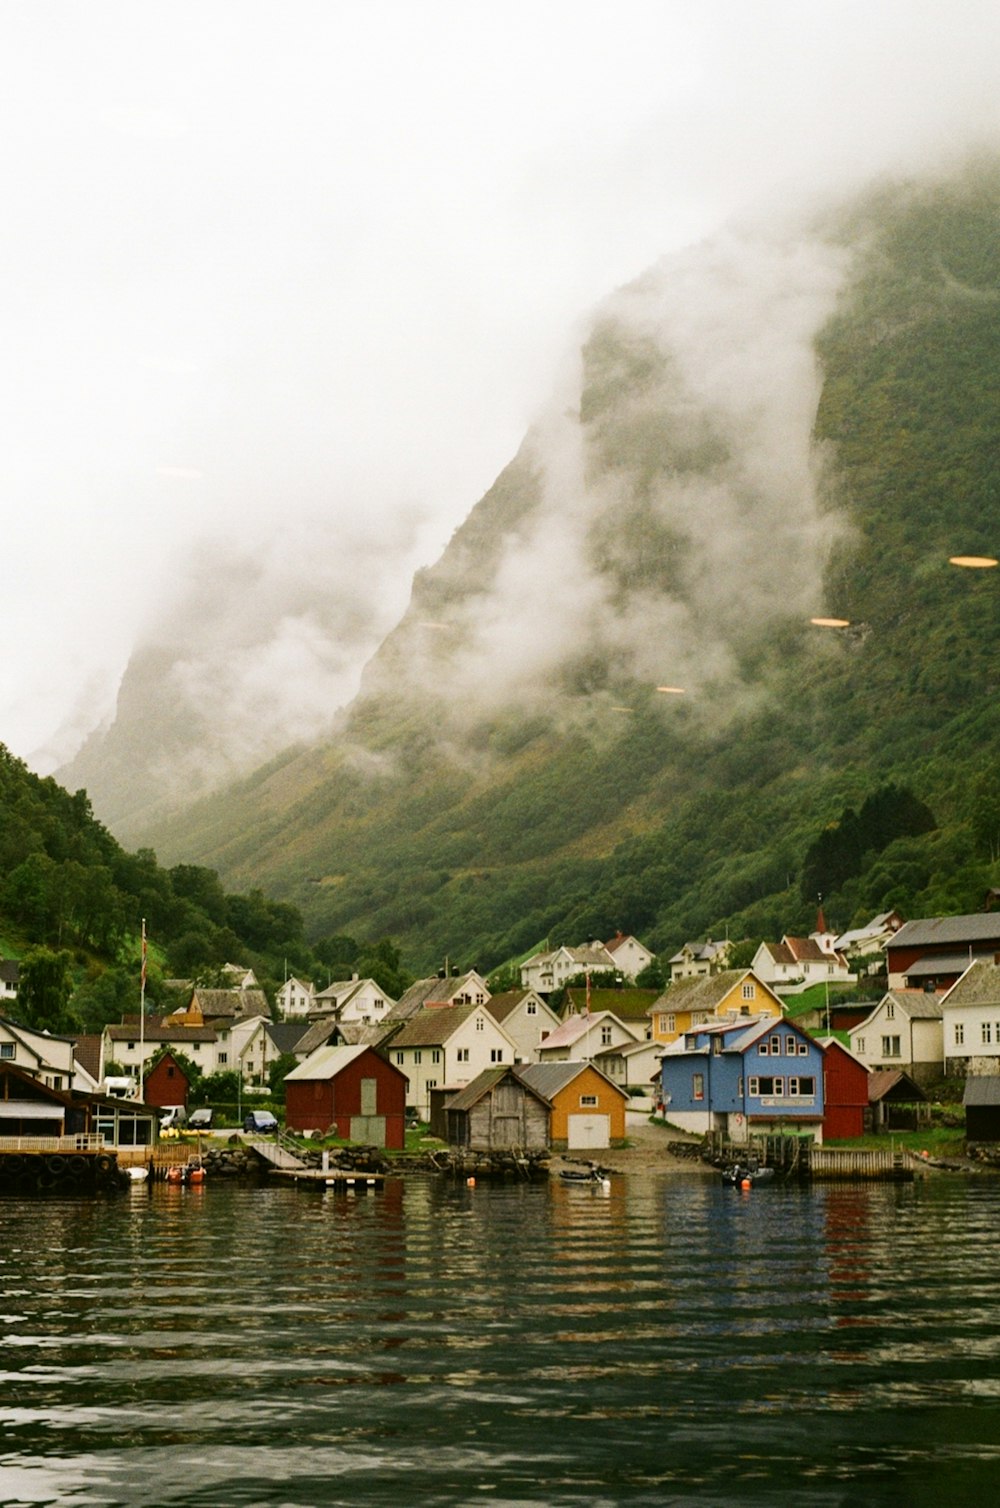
[793, 421]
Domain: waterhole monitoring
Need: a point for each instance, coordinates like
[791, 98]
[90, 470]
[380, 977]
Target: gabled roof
[9, 970]
[794, 950]
[550, 1078]
[883, 1081]
[982, 1089]
[933, 964]
[316, 1035]
[506, 1003]
[327, 1062]
[982, 926]
[705, 992]
[703, 952]
[219, 1005]
[176, 1034]
[432, 1026]
[625, 1004]
[87, 1053]
[436, 991]
[918, 1005]
[979, 985]
[575, 1027]
[285, 1035]
[481, 1085]
[620, 939]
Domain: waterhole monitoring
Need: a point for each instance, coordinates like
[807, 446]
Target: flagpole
[142, 1011]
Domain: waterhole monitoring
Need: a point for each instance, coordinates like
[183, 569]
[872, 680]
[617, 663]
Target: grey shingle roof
[983, 1089]
[979, 985]
[982, 926]
[432, 1026]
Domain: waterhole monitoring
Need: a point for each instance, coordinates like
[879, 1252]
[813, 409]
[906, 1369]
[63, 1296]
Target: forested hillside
[72, 904]
[781, 426]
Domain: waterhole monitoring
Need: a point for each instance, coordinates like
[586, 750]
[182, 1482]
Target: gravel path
[647, 1149]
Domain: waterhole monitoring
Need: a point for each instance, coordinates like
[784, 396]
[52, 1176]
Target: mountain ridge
[761, 433]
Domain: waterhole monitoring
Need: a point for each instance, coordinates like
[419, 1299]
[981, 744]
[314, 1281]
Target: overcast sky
[293, 279]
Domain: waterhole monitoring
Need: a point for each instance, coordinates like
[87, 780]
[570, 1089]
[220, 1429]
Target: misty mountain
[795, 420]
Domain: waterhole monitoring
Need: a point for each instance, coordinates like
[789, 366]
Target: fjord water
[665, 1341]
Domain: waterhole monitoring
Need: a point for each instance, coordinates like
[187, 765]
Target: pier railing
[84, 1142]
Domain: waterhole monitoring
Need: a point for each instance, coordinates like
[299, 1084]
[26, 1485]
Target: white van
[173, 1118]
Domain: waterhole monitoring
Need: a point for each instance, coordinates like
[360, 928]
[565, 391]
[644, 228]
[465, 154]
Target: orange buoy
[746, 1184]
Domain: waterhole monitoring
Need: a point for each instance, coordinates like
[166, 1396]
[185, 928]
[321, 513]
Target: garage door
[589, 1131]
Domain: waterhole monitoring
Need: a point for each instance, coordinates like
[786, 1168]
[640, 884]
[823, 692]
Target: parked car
[262, 1122]
[201, 1120]
[173, 1118]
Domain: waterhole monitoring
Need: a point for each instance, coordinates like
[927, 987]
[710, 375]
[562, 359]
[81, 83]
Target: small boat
[186, 1173]
[138, 1173]
[590, 1174]
[742, 1175]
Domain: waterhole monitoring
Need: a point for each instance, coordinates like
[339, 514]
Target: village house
[701, 999]
[588, 1110]
[447, 1046]
[166, 1083]
[937, 950]
[51, 1059]
[258, 1043]
[870, 940]
[295, 998]
[971, 1012]
[526, 1019]
[896, 1102]
[585, 1037]
[845, 1092]
[547, 972]
[499, 1109]
[350, 1092]
[629, 955]
[441, 989]
[695, 959]
[132, 1049]
[360, 1000]
[796, 963]
[744, 1076]
[634, 1065]
[905, 1030]
[9, 975]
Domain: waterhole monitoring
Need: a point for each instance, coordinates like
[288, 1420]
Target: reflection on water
[669, 1340]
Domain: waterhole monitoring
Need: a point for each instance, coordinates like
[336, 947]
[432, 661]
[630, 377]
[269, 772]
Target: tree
[277, 1071]
[44, 989]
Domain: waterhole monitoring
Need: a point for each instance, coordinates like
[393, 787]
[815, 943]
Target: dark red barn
[351, 1089]
[845, 1092]
[166, 1083]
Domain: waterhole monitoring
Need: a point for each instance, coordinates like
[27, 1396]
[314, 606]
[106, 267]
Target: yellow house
[588, 1110]
[696, 1001]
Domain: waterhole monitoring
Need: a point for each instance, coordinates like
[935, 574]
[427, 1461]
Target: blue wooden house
[739, 1076]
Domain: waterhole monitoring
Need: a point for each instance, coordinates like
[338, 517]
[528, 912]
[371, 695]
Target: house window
[400, 1057]
[496, 1054]
[763, 1049]
[671, 1023]
[531, 1009]
[6, 1049]
[431, 1084]
[717, 1047]
[418, 1056]
[130, 1046]
[803, 1049]
[748, 992]
[776, 1047]
[739, 1087]
[223, 1057]
[753, 1085]
[802, 1086]
[791, 1046]
[890, 1010]
[480, 1024]
[764, 1086]
[588, 1101]
[890, 1047]
[436, 1055]
[462, 1055]
[697, 1086]
[959, 1034]
[605, 1036]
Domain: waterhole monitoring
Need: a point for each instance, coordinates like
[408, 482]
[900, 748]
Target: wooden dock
[331, 1178]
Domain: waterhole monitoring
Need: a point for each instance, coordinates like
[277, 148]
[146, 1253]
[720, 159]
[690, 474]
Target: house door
[506, 1131]
[588, 1131]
